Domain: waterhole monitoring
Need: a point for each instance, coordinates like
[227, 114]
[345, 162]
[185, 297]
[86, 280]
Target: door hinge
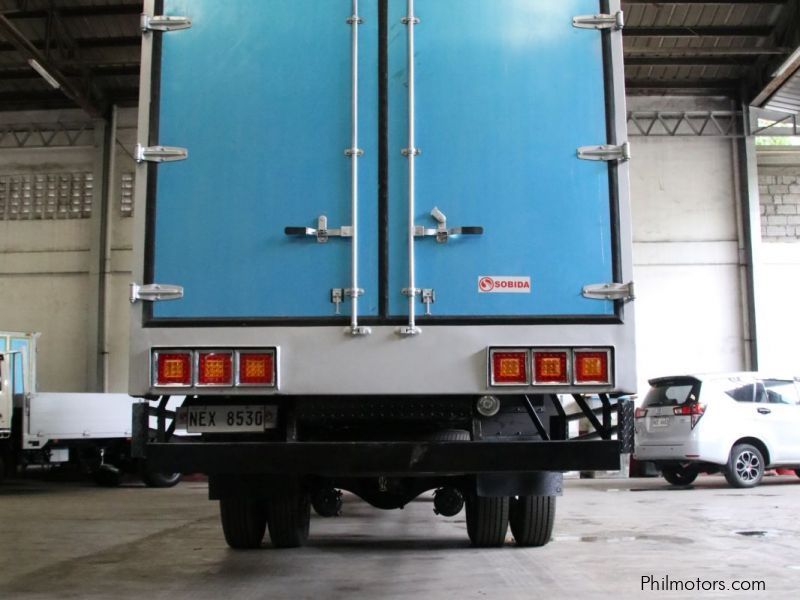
[164, 23]
[609, 291]
[155, 292]
[605, 152]
[159, 154]
[601, 21]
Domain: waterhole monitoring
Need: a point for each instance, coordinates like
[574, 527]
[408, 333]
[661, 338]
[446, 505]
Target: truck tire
[244, 521]
[679, 475]
[161, 480]
[451, 435]
[487, 521]
[531, 519]
[2, 467]
[745, 466]
[289, 516]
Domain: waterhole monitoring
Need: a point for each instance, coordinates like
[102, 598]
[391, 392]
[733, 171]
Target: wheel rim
[748, 466]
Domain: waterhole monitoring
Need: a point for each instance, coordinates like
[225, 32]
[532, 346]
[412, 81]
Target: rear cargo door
[259, 93]
[506, 91]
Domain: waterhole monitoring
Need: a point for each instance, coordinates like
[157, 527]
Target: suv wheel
[745, 466]
[679, 475]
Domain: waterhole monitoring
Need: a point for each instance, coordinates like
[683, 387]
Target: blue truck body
[412, 216]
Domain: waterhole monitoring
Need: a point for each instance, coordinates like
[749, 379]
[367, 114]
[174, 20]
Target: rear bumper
[382, 458]
[692, 451]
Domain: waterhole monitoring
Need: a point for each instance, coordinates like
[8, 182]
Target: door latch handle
[764, 411]
[441, 232]
[322, 233]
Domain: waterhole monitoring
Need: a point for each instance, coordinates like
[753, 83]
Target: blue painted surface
[21, 362]
[506, 91]
[260, 95]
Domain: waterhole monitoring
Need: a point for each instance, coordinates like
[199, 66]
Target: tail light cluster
[550, 366]
[251, 367]
[689, 408]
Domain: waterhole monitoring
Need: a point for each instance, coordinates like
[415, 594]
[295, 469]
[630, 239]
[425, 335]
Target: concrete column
[100, 255]
[750, 242]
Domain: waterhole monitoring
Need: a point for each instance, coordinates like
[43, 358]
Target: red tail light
[223, 367]
[592, 366]
[173, 368]
[640, 413]
[550, 366]
[257, 368]
[215, 368]
[689, 408]
[509, 367]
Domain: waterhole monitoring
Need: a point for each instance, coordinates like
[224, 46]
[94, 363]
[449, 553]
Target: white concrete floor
[68, 540]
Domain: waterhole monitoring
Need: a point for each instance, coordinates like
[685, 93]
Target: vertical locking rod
[411, 152]
[354, 153]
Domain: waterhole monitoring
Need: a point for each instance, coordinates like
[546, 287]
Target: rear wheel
[679, 475]
[797, 472]
[451, 435]
[487, 521]
[160, 480]
[745, 466]
[531, 519]
[244, 521]
[289, 516]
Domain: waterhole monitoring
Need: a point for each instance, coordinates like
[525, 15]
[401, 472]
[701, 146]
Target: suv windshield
[672, 392]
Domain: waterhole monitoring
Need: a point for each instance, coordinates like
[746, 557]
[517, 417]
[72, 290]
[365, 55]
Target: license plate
[660, 421]
[225, 419]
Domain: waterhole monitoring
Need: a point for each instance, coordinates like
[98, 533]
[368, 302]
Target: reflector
[550, 366]
[592, 366]
[215, 368]
[256, 368]
[173, 368]
[509, 367]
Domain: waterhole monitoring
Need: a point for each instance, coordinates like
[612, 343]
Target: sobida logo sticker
[504, 284]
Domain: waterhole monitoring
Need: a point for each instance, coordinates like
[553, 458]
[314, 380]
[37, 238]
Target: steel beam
[70, 12]
[691, 2]
[86, 42]
[699, 31]
[682, 61]
[99, 70]
[31, 53]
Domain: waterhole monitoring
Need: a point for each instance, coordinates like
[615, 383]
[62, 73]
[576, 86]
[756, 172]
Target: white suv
[737, 423]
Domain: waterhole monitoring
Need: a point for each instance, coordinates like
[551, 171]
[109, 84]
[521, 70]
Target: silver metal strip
[353, 153]
[411, 152]
[624, 355]
[140, 207]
